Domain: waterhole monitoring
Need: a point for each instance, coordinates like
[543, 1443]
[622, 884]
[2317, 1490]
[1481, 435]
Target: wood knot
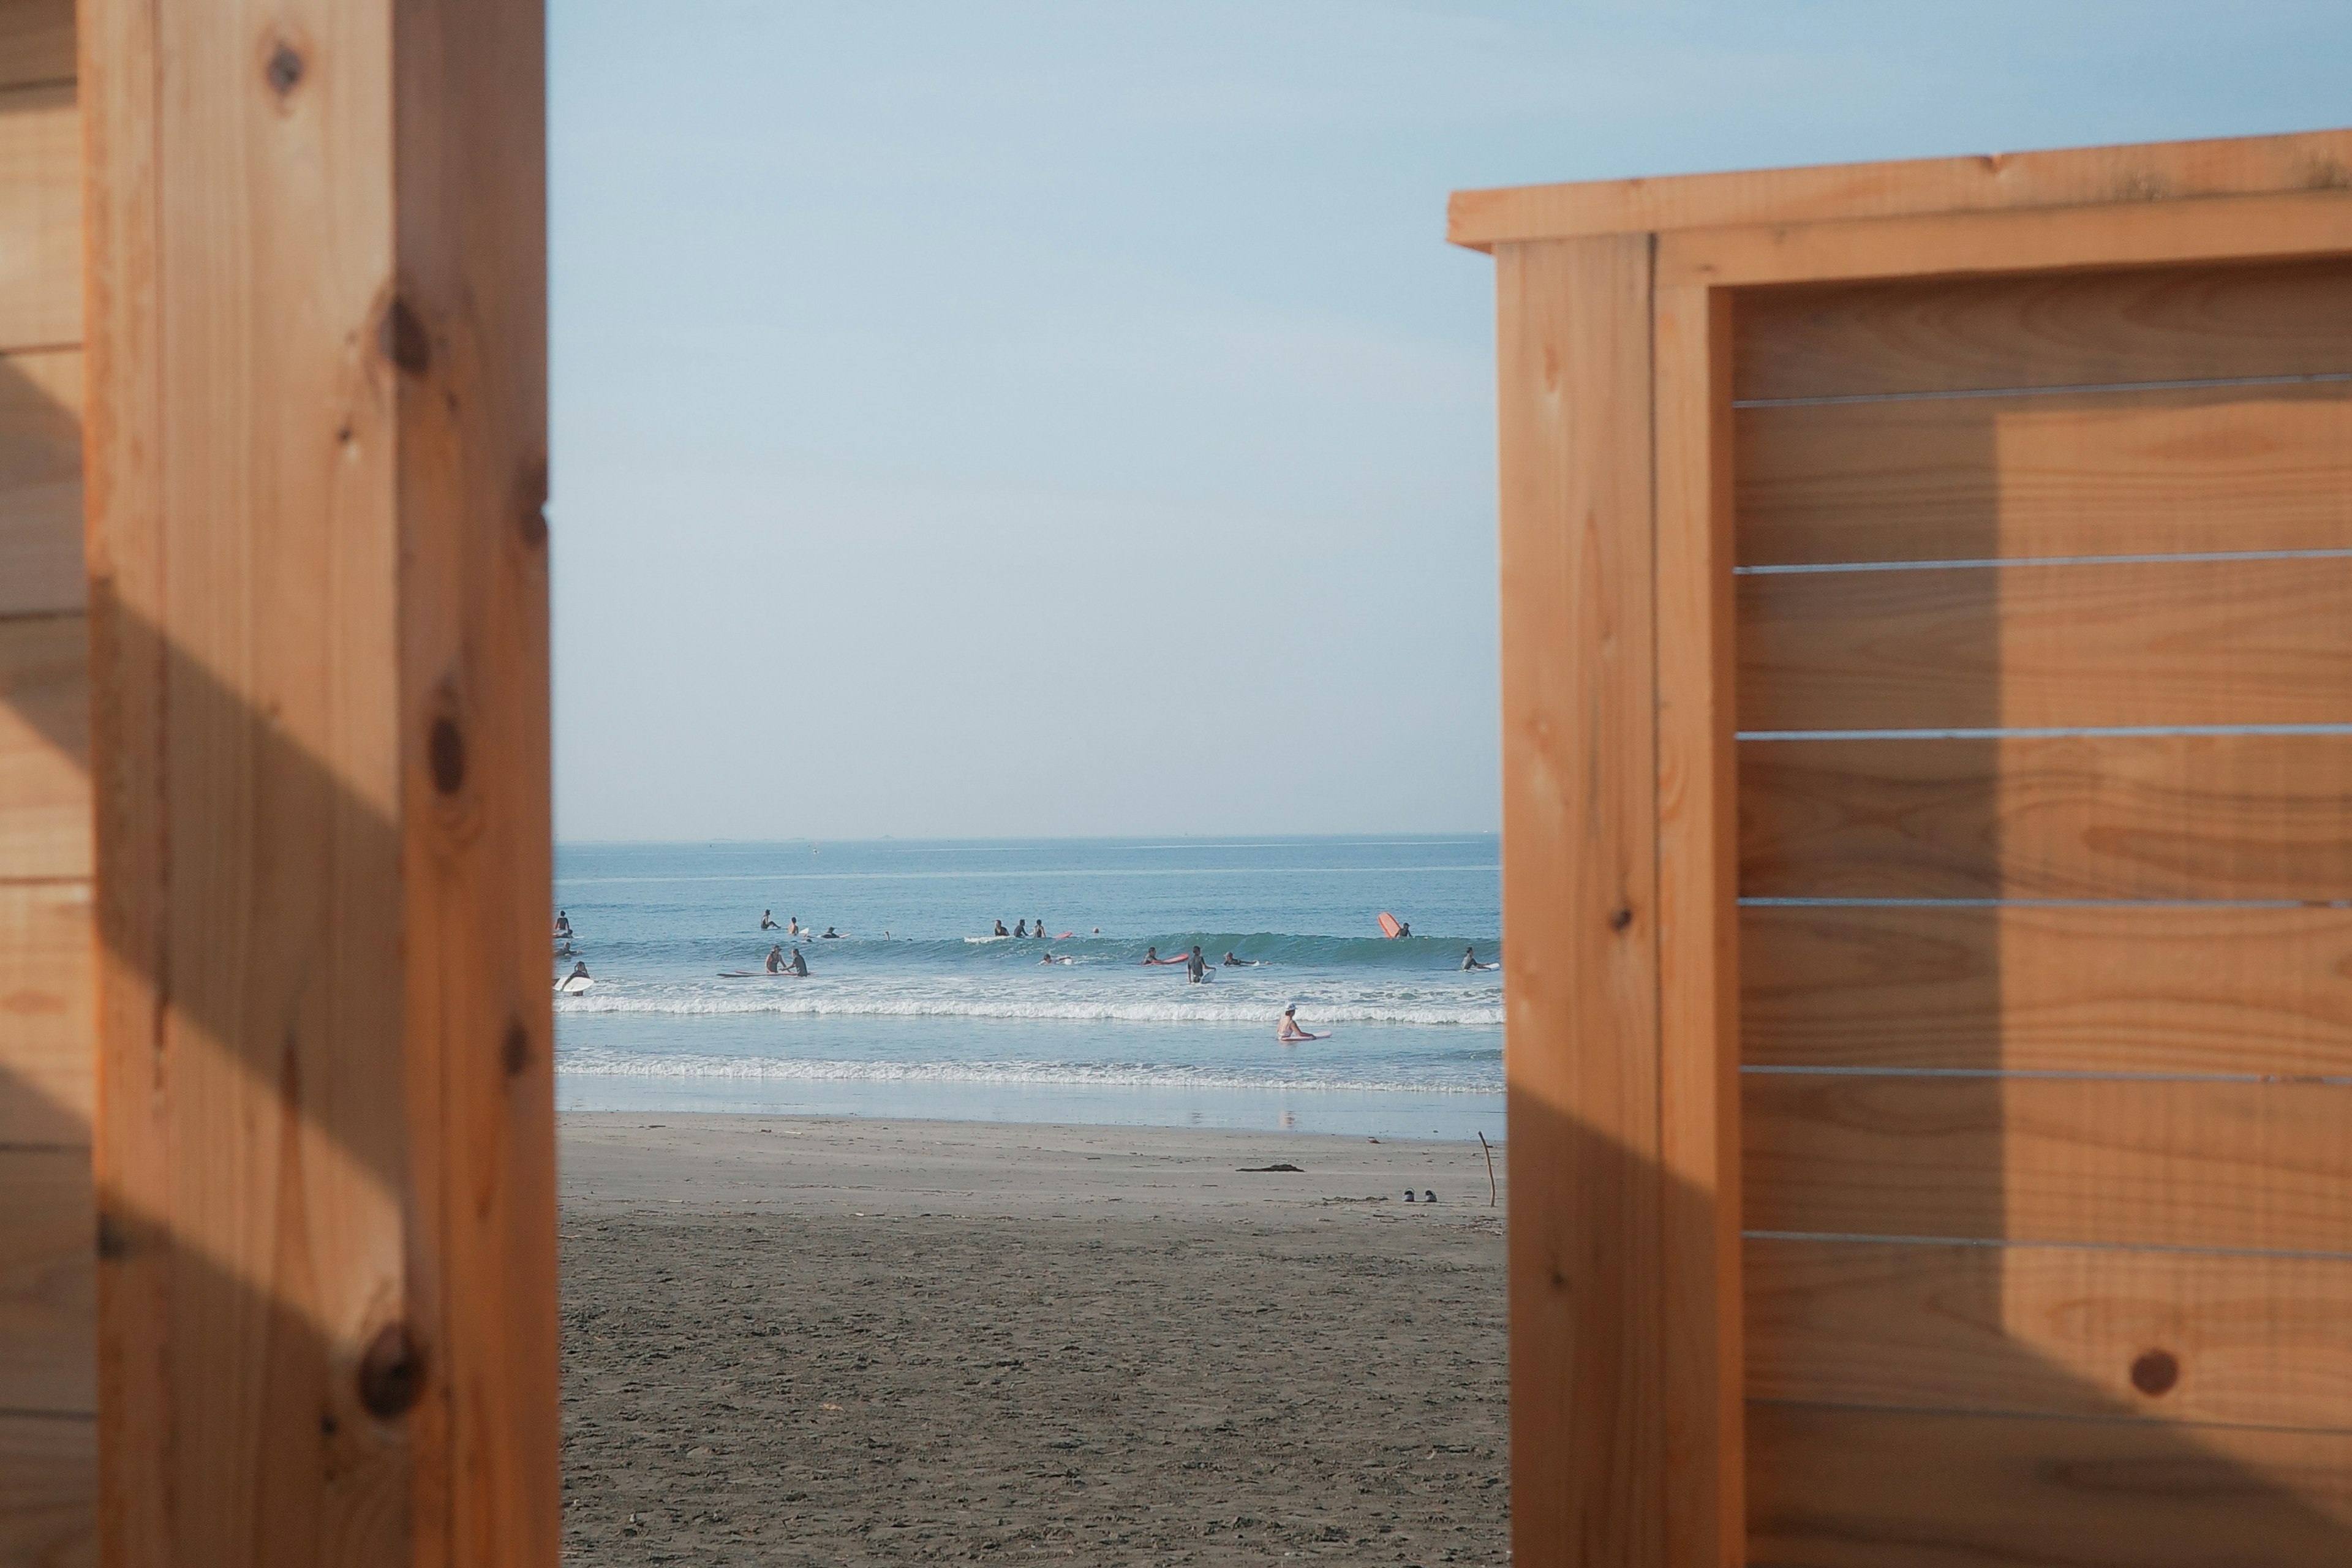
[401, 339]
[1620, 918]
[113, 1238]
[284, 69]
[446, 752]
[2154, 1372]
[517, 1054]
[392, 1373]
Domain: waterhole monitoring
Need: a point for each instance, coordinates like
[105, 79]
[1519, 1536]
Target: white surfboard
[575, 984]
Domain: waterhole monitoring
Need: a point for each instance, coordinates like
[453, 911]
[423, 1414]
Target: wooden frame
[1621, 795]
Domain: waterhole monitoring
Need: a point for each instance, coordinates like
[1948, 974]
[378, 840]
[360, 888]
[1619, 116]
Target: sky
[1006, 420]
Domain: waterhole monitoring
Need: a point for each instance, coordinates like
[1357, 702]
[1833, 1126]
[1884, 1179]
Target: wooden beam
[316, 427]
[2078, 176]
[1581, 903]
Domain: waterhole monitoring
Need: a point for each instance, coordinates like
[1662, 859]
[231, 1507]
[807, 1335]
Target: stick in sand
[1490, 1169]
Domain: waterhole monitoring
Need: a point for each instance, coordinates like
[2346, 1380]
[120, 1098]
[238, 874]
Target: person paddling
[1470, 960]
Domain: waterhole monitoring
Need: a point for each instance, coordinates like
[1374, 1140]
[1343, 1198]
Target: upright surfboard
[1390, 924]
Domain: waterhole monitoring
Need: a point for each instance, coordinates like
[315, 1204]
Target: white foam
[802, 1001]
[1091, 1075]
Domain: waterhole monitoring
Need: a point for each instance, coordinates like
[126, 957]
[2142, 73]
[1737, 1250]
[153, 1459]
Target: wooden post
[317, 459]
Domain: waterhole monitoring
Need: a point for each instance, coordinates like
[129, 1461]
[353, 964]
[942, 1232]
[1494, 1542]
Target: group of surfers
[792, 927]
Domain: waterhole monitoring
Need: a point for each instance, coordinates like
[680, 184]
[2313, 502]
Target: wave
[1088, 1075]
[1483, 1011]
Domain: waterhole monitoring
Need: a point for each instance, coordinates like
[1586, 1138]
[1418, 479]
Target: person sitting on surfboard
[829, 931]
[767, 920]
[1020, 928]
[1232, 963]
[1470, 960]
[1037, 927]
[794, 928]
[1288, 1032]
[562, 923]
[776, 959]
[1001, 931]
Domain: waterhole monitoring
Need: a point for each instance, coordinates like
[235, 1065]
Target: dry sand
[794, 1340]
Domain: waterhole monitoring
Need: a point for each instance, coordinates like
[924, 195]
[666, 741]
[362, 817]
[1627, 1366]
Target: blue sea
[902, 1014]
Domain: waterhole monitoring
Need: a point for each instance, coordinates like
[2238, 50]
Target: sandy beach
[796, 1340]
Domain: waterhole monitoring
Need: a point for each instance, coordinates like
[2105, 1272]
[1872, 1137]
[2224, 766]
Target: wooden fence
[1928, 700]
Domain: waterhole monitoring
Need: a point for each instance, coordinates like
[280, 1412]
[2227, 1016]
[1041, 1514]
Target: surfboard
[575, 984]
[758, 974]
[1390, 925]
[988, 939]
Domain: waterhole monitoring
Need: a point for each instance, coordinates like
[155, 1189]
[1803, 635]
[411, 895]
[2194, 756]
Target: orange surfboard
[1389, 924]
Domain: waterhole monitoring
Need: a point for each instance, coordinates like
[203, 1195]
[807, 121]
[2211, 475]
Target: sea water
[900, 1015]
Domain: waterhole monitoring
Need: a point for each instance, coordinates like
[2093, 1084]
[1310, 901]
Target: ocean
[902, 1016]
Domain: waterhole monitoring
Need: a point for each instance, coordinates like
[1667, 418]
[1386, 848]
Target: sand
[830, 1342]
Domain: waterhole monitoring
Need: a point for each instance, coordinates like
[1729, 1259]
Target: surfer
[794, 928]
[1196, 968]
[1230, 962]
[830, 935]
[1470, 961]
[1020, 928]
[1037, 927]
[799, 966]
[1404, 928]
[776, 958]
[1001, 931]
[1288, 1032]
[562, 923]
[1151, 955]
[767, 920]
[579, 970]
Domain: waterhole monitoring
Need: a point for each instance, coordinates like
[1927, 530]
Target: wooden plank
[2234, 817]
[1698, 958]
[2133, 473]
[36, 42]
[1861, 1489]
[2115, 643]
[2049, 989]
[2125, 1162]
[2243, 1340]
[48, 1306]
[316, 425]
[40, 483]
[45, 810]
[2062, 177]
[48, 1013]
[1579, 826]
[2090, 327]
[2310, 222]
[40, 218]
[49, 1491]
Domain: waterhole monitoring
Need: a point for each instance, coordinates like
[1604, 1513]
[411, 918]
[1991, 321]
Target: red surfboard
[1390, 925]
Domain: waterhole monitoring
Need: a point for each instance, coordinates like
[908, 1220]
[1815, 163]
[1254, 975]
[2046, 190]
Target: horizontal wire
[2048, 732]
[2053, 1074]
[2020, 1245]
[1975, 564]
[2073, 389]
[1748, 902]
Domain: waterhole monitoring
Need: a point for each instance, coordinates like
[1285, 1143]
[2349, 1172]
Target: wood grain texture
[48, 1013]
[2237, 816]
[1580, 876]
[477, 851]
[49, 1491]
[2254, 229]
[2148, 989]
[316, 420]
[2117, 644]
[1864, 1488]
[2129, 473]
[40, 483]
[40, 218]
[45, 810]
[2088, 327]
[36, 42]
[2126, 1161]
[1699, 959]
[2249, 1339]
[2063, 178]
[49, 1305]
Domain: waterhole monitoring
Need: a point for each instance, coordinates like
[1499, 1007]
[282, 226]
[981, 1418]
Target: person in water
[579, 971]
[1232, 963]
[1037, 927]
[830, 935]
[793, 929]
[1151, 955]
[1196, 968]
[767, 920]
[1288, 1032]
[799, 966]
[1470, 960]
[776, 958]
[562, 923]
[1021, 928]
[1001, 931]
[1404, 928]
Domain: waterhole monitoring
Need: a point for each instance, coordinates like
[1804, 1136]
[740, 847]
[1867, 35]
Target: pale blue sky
[980, 419]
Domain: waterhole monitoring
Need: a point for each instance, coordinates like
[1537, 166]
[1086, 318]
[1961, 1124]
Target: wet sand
[824, 1342]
